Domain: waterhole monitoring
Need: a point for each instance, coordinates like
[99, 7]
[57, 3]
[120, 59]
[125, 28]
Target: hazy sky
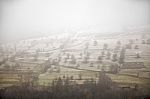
[30, 18]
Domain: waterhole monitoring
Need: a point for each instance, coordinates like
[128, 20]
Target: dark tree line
[67, 89]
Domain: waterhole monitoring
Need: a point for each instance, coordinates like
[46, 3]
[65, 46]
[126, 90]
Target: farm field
[124, 58]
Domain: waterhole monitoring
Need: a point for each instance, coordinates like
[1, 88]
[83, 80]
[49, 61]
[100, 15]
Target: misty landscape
[74, 49]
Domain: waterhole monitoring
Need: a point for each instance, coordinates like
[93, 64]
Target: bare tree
[105, 46]
[108, 54]
[122, 56]
[114, 57]
[73, 59]
[99, 59]
[138, 55]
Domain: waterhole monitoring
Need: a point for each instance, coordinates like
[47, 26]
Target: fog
[22, 19]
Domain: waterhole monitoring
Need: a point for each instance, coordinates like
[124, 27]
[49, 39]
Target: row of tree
[65, 89]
